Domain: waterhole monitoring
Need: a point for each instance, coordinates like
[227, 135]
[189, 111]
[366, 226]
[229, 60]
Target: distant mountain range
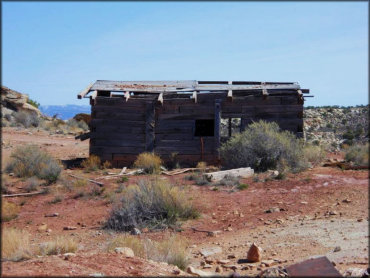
[64, 112]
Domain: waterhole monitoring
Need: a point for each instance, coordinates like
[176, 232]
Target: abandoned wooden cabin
[183, 118]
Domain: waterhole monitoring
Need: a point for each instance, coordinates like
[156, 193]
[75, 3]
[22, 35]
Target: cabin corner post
[217, 127]
[149, 126]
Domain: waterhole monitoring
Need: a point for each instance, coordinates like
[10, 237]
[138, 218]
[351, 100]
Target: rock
[96, 274]
[218, 269]
[208, 251]
[235, 274]
[230, 266]
[268, 263]
[135, 231]
[145, 230]
[69, 228]
[223, 261]
[273, 272]
[229, 229]
[55, 214]
[67, 256]
[337, 249]
[198, 272]
[128, 252]
[333, 212]
[354, 272]
[207, 266]
[48, 230]
[254, 253]
[304, 203]
[209, 261]
[231, 256]
[274, 209]
[346, 201]
[360, 220]
[42, 228]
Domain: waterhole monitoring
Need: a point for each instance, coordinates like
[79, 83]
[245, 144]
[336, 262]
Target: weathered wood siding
[121, 129]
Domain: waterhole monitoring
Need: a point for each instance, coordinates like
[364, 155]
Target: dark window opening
[204, 128]
[229, 127]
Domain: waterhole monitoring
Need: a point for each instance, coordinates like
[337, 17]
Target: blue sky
[53, 50]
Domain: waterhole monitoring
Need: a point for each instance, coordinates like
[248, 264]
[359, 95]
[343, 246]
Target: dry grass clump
[152, 203]
[59, 245]
[32, 184]
[358, 154]
[93, 163]
[171, 250]
[149, 162]
[202, 166]
[314, 154]
[26, 119]
[15, 245]
[9, 211]
[29, 160]
[263, 146]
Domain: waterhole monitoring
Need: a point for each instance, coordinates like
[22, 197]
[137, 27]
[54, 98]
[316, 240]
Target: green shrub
[32, 184]
[348, 135]
[149, 162]
[33, 103]
[72, 123]
[243, 186]
[263, 146]
[29, 160]
[151, 203]
[358, 154]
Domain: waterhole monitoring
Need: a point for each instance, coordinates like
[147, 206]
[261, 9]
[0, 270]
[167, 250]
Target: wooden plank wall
[120, 130]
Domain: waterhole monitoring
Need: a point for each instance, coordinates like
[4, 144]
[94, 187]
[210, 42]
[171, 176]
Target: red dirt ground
[302, 230]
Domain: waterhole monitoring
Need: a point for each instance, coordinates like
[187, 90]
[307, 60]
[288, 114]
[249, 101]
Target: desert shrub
[58, 246]
[171, 250]
[79, 194]
[80, 183]
[201, 165]
[314, 154]
[348, 135]
[149, 162]
[57, 199]
[201, 180]
[72, 123]
[151, 203]
[107, 165]
[172, 162]
[263, 146]
[229, 180]
[15, 245]
[358, 154]
[29, 160]
[122, 179]
[32, 184]
[242, 186]
[9, 211]
[33, 103]
[91, 164]
[26, 119]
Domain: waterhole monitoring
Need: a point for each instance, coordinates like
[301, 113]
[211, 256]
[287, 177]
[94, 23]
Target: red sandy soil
[302, 230]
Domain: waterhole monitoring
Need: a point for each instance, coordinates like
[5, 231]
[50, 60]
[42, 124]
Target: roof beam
[230, 92]
[195, 96]
[85, 91]
[127, 95]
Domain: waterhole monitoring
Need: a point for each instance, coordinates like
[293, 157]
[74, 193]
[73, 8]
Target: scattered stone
[67, 256]
[304, 203]
[218, 269]
[360, 220]
[96, 274]
[42, 228]
[145, 230]
[337, 249]
[230, 266]
[346, 201]
[135, 231]
[223, 261]
[48, 230]
[268, 263]
[333, 212]
[198, 272]
[207, 266]
[229, 229]
[176, 271]
[125, 251]
[209, 261]
[193, 246]
[55, 214]
[69, 228]
[231, 256]
[274, 209]
[273, 272]
[235, 274]
[354, 272]
[254, 253]
[214, 233]
[209, 251]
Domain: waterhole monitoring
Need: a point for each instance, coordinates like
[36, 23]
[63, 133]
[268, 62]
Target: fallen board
[239, 172]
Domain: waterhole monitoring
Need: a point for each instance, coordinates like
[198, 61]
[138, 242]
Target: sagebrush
[263, 146]
[358, 154]
[152, 203]
[29, 160]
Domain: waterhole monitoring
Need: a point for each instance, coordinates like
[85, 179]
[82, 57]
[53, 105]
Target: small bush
[32, 184]
[149, 162]
[150, 203]
[243, 186]
[29, 160]
[173, 162]
[229, 180]
[201, 180]
[201, 165]
[263, 146]
[348, 135]
[79, 194]
[80, 183]
[122, 179]
[57, 199]
[15, 245]
[60, 245]
[107, 165]
[33, 103]
[358, 154]
[314, 154]
[26, 119]
[9, 211]
[91, 164]
[171, 250]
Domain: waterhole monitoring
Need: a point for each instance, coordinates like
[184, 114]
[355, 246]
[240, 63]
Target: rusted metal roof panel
[318, 267]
